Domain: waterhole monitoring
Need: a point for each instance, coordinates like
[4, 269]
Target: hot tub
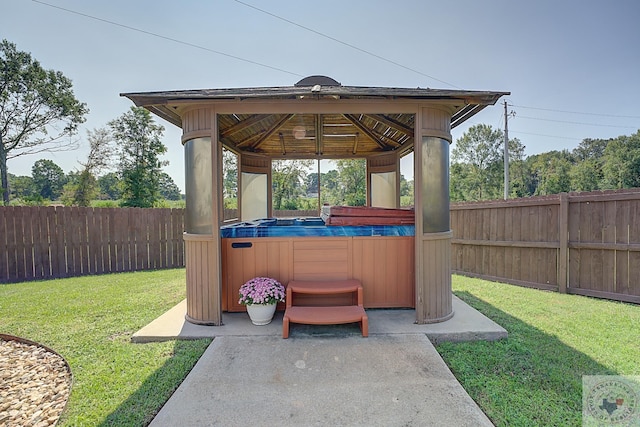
[309, 227]
[380, 256]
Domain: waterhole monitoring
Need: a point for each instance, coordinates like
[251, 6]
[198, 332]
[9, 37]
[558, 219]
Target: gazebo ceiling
[329, 135]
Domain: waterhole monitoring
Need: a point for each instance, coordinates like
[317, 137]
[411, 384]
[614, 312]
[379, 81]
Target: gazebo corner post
[202, 215]
[432, 232]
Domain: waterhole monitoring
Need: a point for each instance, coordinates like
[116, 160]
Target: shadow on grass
[529, 378]
[140, 408]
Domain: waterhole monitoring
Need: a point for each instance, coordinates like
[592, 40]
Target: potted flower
[260, 295]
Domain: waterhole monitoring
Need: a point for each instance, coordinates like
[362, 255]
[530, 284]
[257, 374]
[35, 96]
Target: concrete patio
[322, 375]
[467, 324]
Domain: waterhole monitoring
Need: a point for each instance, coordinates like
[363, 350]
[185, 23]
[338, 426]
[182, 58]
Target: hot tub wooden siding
[384, 265]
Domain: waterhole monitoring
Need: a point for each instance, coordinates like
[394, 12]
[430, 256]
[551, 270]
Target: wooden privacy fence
[38, 242]
[579, 243]
[584, 243]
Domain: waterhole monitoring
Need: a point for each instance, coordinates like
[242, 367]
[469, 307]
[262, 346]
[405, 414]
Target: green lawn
[89, 321]
[531, 378]
[535, 376]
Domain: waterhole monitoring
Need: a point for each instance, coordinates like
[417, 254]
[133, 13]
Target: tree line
[137, 181]
[477, 166]
[40, 113]
[48, 183]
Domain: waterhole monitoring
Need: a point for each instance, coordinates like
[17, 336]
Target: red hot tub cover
[362, 215]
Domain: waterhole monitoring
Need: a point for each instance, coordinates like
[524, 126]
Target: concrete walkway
[383, 380]
[322, 375]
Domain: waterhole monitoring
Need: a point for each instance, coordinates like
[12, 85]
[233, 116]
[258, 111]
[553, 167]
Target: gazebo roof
[334, 134]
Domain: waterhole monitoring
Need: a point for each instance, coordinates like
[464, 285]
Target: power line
[577, 123]
[576, 112]
[529, 133]
[547, 136]
[128, 27]
[345, 43]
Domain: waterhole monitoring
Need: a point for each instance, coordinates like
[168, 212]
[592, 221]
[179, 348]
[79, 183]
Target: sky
[571, 66]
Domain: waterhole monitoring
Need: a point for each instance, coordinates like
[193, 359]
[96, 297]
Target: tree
[109, 185]
[21, 186]
[329, 187]
[586, 175]
[168, 188]
[140, 146]
[590, 149]
[621, 168]
[520, 184]
[68, 191]
[479, 149]
[288, 177]
[48, 179]
[352, 181]
[551, 172]
[85, 188]
[230, 178]
[311, 183]
[406, 192]
[38, 110]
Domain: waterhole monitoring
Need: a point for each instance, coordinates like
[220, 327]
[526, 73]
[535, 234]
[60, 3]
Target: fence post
[563, 236]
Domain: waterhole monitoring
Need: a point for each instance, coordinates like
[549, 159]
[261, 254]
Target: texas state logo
[610, 400]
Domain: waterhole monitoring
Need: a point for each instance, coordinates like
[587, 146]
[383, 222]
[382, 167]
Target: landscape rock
[35, 384]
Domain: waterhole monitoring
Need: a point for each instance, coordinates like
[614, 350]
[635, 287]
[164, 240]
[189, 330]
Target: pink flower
[261, 290]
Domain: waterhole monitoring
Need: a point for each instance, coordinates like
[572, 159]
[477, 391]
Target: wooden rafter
[392, 141]
[273, 129]
[284, 151]
[394, 124]
[244, 124]
[239, 144]
[384, 141]
[319, 134]
[354, 120]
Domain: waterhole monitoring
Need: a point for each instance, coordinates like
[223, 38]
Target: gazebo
[317, 118]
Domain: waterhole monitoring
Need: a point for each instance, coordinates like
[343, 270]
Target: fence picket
[58, 246]
[111, 265]
[4, 250]
[27, 241]
[634, 257]
[19, 243]
[40, 243]
[91, 245]
[102, 256]
[122, 240]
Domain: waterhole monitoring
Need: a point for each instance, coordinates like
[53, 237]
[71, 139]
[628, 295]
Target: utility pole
[506, 152]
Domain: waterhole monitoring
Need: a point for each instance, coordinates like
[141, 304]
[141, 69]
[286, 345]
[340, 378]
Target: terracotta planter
[261, 314]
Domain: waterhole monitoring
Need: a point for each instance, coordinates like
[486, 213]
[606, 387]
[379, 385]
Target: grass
[89, 321]
[534, 377]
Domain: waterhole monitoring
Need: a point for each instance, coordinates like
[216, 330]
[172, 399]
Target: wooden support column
[432, 231]
[202, 218]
